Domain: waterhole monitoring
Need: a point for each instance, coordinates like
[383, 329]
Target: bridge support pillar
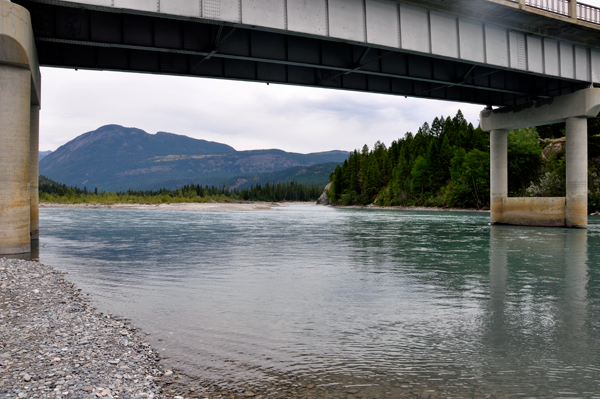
[20, 83]
[498, 172]
[569, 211]
[15, 89]
[577, 172]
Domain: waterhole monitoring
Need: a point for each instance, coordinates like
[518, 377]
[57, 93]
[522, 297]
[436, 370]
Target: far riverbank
[412, 208]
[178, 206]
[242, 206]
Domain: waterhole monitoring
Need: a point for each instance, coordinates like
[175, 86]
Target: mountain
[116, 158]
[43, 154]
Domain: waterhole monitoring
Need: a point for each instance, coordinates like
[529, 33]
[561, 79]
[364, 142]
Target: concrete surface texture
[534, 211]
[583, 103]
[34, 174]
[19, 90]
[498, 172]
[14, 160]
[17, 45]
[577, 172]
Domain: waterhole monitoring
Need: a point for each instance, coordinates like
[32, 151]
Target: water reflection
[576, 281]
[537, 328]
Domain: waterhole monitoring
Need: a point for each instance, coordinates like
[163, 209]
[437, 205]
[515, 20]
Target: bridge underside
[106, 39]
[546, 70]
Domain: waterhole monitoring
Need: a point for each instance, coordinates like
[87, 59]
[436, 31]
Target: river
[341, 303]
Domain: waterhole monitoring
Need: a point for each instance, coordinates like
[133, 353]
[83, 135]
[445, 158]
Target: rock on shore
[53, 344]
[324, 199]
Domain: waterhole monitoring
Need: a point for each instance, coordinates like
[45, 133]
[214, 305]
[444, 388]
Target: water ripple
[368, 301]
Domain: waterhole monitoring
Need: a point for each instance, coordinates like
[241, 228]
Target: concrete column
[577, 172]
[34, 174]
[15, 99]
[499, 172]
[573, 9]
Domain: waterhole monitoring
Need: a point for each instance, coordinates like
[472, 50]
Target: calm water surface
[368, 302]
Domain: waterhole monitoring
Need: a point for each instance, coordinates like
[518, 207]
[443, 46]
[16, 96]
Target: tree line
[52, 191]
[447, 164]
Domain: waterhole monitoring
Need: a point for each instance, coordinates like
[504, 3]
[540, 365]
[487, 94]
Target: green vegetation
[51, 191]
[447, 164]
[551, 180]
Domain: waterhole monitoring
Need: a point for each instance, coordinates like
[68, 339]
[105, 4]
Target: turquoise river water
[361, 303]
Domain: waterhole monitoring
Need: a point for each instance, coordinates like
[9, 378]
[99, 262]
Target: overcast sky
[241, 114]
[244, 115]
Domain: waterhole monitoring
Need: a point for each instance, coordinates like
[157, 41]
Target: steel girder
[103, 39]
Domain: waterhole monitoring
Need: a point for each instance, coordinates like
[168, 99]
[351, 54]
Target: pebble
[53, 343]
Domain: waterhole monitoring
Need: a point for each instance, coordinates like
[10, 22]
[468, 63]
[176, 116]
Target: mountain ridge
[114, 158]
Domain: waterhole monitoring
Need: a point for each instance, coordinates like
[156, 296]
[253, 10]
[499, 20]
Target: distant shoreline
[179, 206]
[412, 208]
[243, 206]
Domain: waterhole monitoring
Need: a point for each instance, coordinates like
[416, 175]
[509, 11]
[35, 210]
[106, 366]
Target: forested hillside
[447, 164]
[54, 192]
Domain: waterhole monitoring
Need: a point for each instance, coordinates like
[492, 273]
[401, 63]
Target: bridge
[537, 60]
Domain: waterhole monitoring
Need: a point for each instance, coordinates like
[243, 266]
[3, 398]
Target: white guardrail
[585, 12]
[588, 13]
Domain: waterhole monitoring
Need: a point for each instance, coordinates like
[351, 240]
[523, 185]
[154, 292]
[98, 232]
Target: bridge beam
[19, 107]
[574, 109]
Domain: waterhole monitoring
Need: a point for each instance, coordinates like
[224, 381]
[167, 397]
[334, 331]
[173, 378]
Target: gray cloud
[241, 114]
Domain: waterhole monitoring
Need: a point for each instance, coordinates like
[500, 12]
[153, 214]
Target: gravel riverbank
[53, 344]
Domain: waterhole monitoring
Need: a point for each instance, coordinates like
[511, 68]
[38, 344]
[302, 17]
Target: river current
[357, 302]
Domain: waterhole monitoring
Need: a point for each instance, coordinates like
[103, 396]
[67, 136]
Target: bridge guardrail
[554, 6]
[588, 13]
[585, 12]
